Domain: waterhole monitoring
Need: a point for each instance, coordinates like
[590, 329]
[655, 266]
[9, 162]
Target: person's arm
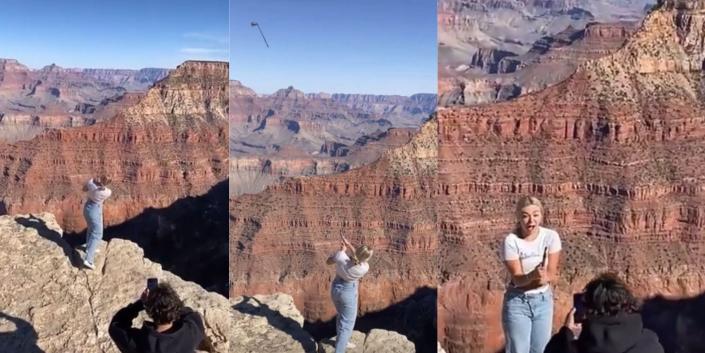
[510, 255]
[194, 325]
[348, 244]
[566, 340]
[104, 192]
[121, 330]
[552, 268]
[554, 259]
[520, 279]
[89, 185]
[562, 342]
[332, 259]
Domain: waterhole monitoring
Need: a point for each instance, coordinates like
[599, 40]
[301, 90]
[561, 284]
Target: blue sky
[126, 34]
[346, 46]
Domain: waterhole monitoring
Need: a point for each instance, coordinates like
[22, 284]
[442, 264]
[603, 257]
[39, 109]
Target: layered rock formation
[482, 44]
[252, 173]
[550, 60]
[169, 146]
[280, 238]
[291, 133]
[615, 154]
[52, 97]
[49, 305]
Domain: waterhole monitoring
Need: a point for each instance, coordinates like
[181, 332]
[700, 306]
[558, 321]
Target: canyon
[280, 238]
[614, 152]
[498, 50]
[292, 133]
[166, 154]
[32, 101]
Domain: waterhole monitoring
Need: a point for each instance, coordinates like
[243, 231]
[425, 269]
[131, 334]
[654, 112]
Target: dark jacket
[622, 333]
[185, 335]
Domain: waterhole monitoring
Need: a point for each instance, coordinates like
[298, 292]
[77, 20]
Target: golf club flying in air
[255, 24]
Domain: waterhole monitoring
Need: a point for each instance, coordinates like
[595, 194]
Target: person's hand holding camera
[145, 295]
[571, 325]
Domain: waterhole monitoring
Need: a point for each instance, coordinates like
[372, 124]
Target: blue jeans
[527, 320]
[93, 212]
[344, 296]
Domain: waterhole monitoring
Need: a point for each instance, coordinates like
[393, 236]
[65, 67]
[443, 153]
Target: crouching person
[175, 328]
[604, 319]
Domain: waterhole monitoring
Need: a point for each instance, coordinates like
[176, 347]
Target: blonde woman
[531, 254]
[348, 272]
[97, 192]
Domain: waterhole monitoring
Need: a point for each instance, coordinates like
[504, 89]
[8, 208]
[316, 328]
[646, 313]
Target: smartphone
[545, 256]
[152, 283]
[579, 305]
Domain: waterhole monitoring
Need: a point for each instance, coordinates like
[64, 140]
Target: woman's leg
[542, 308]
[347, 315]
[516, 322]
[335, 296]
[86, 216]
[95, 221]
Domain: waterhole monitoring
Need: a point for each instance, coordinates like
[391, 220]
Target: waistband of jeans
[516, 291]
[342, 281]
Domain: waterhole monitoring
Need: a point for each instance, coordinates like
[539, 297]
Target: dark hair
[163, 305]
[608, 295]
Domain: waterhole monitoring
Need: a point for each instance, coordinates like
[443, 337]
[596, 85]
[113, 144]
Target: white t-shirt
[346, 268]
[530, 253]
[95, 194]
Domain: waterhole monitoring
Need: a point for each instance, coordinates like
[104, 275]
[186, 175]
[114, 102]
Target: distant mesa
[55, 97]
[301, 133]
[497, 51]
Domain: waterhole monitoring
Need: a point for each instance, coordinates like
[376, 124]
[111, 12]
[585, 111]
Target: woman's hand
[542, 275]
[571, 325]
[347, 243]
[342, 247]
[144, 296]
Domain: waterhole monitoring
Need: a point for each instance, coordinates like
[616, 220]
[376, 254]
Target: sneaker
[88, 264]
[350, 345]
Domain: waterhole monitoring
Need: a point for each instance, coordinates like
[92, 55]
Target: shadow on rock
[66, 244]
[414, 317]
[22, 340]
[188, 238]
[252, 306]
[679, 323]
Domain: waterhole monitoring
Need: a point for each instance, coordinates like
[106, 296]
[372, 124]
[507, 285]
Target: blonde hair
[103, 180]
[362, 254]
[524, 202]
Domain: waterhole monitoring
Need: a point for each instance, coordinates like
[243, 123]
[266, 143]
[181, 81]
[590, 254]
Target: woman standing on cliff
[344, 289]
[97, 192]
[531, 254]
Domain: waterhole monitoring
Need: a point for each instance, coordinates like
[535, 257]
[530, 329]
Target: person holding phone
[348, 271]
[605, 319]
[97, 192]
[531, 254]
[175, 327]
